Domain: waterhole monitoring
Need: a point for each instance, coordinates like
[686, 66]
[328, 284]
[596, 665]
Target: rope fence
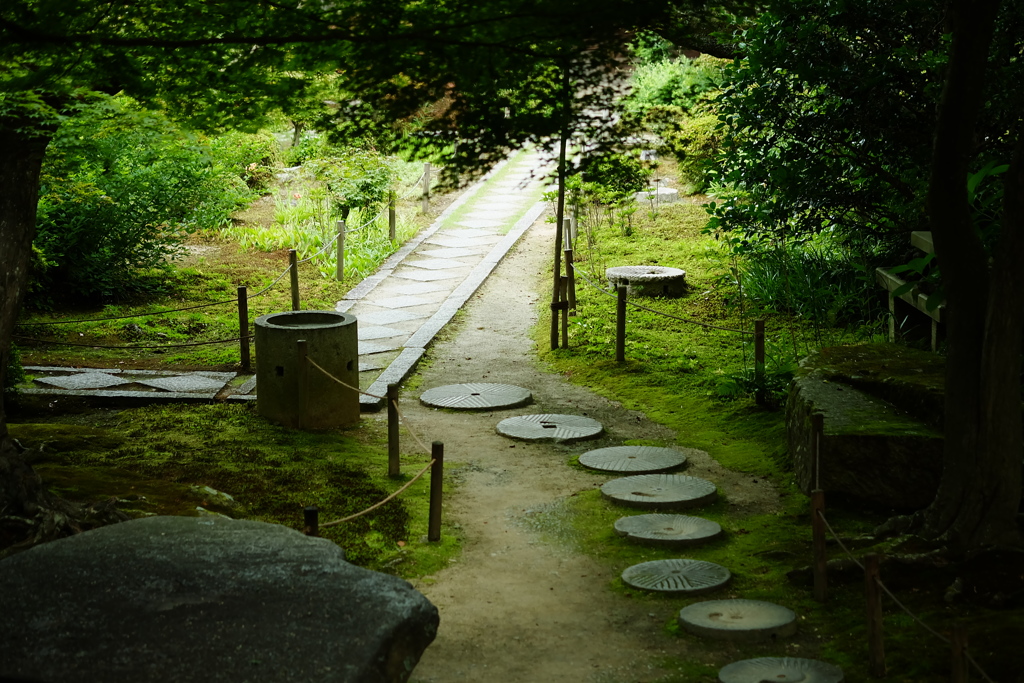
[873, 584]
[564, 304]
[395, 417]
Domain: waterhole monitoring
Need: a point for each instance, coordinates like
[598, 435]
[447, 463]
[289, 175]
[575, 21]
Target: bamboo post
[243, 328]
[873, 593]
[311, 519]
[426, 187]
[818, 537]
[570, 276]
[559, 216]
[302, 383]
[958, 643]
[563, 304]
[394, 466]
[293, 264]
[620, 324]
[436, 489]
[392, 217]
[759, 393]
[340, 269]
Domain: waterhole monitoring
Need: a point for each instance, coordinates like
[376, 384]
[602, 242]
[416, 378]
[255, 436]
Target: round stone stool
[648, 280]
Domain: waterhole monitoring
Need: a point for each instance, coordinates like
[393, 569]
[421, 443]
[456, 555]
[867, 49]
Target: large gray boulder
[881, 407]
[205, 599]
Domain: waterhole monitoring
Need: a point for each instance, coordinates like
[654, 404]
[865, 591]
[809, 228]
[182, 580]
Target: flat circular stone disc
[677, 577]
[740, 620]
[782, 669]
[676, 491]
[633, 459]
[559, 428]
[476, 396]
[667, 530]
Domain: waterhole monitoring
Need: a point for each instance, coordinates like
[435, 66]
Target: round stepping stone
[653, 491]
[677, 577]
[667, 530]
[633, 459]
[476, 396]
[740, 620]
[782, 669]
[559, 428]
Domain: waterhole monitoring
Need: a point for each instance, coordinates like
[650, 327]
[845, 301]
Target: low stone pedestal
[879, 445]
[648, 280]
[205, 599]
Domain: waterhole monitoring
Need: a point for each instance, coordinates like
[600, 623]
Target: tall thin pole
[560, 211]
[340, 267]
[293, 264]
[243, 328]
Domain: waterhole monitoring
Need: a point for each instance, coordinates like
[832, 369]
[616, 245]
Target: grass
[695, 380]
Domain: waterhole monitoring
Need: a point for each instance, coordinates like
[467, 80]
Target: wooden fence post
[243, 328]
[620, 324]
[818, 538]
[340, 268]
[759, 392]
[311, 519]
[293, 264]
[436, 490]
[426, 187]
[392, 217]
[394, 466]
[302, 382]
[817, 436]
[563, 304]
[958, 643]
[873, 593]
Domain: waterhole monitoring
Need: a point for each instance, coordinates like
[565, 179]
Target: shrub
[122, 187]
[674, 83]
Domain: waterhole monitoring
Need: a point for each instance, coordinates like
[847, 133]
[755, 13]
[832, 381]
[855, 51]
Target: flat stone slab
[400, 302]
[667, 530]
[450, 252]
[674, 491]
[476, 396]
[205, 600]
[648, 280]
[84, 380]
[738, 620]
[420, 288]
[557, 428]
[388, 317]
[183, 384]
[378, 332]
[783, 669]
[633, 459]
[677, 576]
[426, 276]
[438, 264]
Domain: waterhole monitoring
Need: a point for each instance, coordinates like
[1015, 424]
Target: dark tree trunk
[29, 513]
[980, 491]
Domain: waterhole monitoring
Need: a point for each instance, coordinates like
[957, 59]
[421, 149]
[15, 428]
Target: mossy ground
[697, 380]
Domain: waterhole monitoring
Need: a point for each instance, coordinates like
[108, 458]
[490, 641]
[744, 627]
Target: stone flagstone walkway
[399, 309]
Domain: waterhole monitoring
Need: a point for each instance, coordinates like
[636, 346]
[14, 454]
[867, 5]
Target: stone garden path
[400, 309]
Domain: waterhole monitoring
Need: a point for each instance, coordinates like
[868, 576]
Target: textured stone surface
[872, 450]
[677, 576]
[480, 396]
[547, 427]
[656, 491]
[782, 669]
[738, 620]
[648, 280]
[667, 530]
[203, 600]
[184, 383]
[633, 459]
[85, 380]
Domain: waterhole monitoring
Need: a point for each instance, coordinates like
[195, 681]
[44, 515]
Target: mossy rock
[873, 450]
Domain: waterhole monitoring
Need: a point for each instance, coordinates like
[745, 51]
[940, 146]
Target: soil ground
[518, 605]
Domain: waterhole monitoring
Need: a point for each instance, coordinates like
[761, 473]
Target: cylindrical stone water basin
[332, 342]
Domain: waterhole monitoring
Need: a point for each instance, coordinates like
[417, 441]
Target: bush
[674, 83]
[122, 187]
[694, 139]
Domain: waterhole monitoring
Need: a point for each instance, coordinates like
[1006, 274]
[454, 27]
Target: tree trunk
[978, 497]
[28, 512]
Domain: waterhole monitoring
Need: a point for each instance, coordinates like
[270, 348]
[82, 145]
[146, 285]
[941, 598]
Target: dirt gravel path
[515, 606]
